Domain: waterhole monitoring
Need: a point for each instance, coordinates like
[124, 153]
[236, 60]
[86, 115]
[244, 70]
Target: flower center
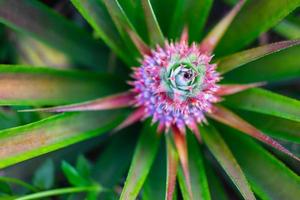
[184, 78]
[176, 85]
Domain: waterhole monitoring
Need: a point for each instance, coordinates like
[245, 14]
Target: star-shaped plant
[179, 88]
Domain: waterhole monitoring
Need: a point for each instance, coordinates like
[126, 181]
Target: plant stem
[18, 182]
[60, 191]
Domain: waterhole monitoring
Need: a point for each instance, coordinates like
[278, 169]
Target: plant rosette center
[176, 85]
[183, 79]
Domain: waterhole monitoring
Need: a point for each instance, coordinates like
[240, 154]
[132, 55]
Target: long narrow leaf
[274, 126]
[156, 36]
[257, 16]
[199, 182]
[269, 177]
[222, 153]
[234, 61]
[217, 189]
[114, 169]
[200, 187]
[288, 29]
[155, 185]
[135, 13]
[143, 158]
[21, 85]
[25, 142]
[184, 170]
[97, 16]
[229, 118]
[31, 17]
[284, 65]
[263, 101]
[172, 165]
[213, 38]
[229, 89]
[163, 15]
[192, 14]
[122, 23]
[115, 101]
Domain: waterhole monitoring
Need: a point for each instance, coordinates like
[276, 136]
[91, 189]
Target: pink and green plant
[180, 83]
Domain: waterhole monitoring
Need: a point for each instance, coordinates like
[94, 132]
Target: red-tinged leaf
[194, 128]
[139, 43]
[96, 15]
[212, 39]
[125, 27]
[184, 38]
[122, 23]
[53, 133]
[106, 103]
[268, 176]
[134, 117]
[228, 89]
[172, 164]
[143, 158]
[156, 36]
[276, 127]
[34, 86]
[222, 153]
[255, 18]
[227, 117]
[199, 182]
[236, 60]
[181, 146]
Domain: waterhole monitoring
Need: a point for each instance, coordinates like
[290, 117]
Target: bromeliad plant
[180, 85]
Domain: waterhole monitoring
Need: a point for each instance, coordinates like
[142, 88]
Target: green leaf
[143, 159]
[122, 23]
[266, 102]
[112, 164]
[199, 182]
[29, 141]
[37, 20]
[279, 66]
[288, 29]
[216, 187]
[192, 14]
[236, 60]
[155, 184]
[172, 160]
[163, 15]
[44, 175]
[83, 166]
[97, 16]
[269, 177]
[135, 13]
[5, 188]
[156, 36]
[274, 126]
[222, 153]
[72, 175]
[258, 16]
[23, 85]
